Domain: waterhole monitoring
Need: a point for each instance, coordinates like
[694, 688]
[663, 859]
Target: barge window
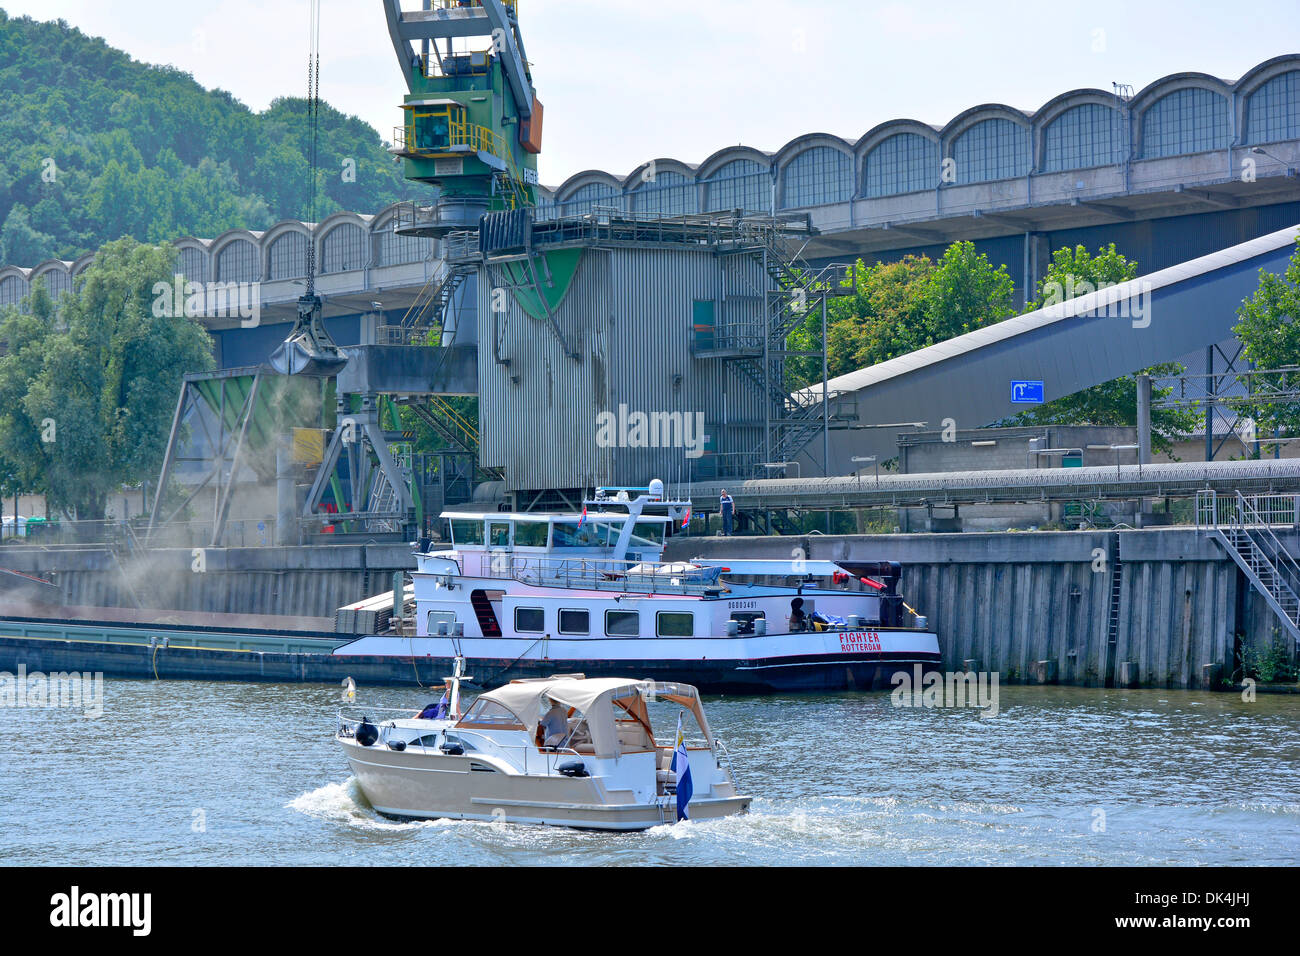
[648, 533]
[623, 623]
[440, 617]
[530, 534]
[574, 621]
[532, 619]
[675, 624]
[467, 531]
[499, 534]
[569, 535]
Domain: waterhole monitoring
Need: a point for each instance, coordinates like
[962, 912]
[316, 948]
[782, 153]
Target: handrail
[604, 574]
[1245, 507]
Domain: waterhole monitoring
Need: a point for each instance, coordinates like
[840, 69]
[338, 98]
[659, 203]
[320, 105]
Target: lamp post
[1119, 448]
[863, 460]
[1290, 170]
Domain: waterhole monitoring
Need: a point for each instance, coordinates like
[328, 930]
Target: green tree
[1270, 335]
[966, 293]
[98, 146]
[20, 242]
[898, 307]
[1075, 272]
[86, 397]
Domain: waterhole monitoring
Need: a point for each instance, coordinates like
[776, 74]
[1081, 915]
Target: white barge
[526, 594]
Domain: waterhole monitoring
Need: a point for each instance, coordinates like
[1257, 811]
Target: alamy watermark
[1126, 300]
[77, 689]
[216, 300]
[75, 909]
[637, 429]
[976, 689]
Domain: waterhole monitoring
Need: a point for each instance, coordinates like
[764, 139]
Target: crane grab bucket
[308, 350]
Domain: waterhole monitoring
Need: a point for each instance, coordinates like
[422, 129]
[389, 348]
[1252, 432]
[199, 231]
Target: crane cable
[313, 124]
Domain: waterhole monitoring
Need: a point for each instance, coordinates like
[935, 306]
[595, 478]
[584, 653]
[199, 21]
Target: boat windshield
[490, 715]
[648, 534]
[592, 534]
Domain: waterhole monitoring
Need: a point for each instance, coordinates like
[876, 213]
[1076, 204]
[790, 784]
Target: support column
[1144, 419]
[1209, 406]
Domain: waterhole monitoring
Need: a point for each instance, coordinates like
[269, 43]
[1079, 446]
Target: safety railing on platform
[129, 535]
[601, 574]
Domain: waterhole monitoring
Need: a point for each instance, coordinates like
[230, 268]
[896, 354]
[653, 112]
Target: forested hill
[145, 151]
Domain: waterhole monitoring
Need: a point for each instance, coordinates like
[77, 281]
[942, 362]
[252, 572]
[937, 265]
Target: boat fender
[398, 745]
[572, 768]
[454, 749]
[367, 733]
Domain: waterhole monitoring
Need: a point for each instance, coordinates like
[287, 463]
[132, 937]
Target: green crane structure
[473, 123]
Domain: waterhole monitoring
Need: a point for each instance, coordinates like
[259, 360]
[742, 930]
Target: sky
[624, 82]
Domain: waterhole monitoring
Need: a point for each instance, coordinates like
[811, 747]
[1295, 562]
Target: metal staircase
[431, 308]
[1244, 526]
[797, 291]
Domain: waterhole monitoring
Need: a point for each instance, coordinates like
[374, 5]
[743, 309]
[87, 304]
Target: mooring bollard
[1211, 676]
[1128, 674]
[972, 665]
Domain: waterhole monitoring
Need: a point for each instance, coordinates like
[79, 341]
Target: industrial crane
[473, 125]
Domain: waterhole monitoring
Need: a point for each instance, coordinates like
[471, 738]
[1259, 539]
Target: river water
[212, 773]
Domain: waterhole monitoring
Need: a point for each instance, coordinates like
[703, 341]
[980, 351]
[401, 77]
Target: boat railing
[544, 759]
[530, 759]
[602, 574]
[721, 751]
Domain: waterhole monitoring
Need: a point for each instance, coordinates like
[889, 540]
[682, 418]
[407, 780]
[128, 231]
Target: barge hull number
[859, 642]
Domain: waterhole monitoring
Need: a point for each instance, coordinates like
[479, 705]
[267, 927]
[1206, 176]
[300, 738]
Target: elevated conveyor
[1067, 347]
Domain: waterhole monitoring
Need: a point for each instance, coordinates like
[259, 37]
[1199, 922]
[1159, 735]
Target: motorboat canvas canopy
[594, 699]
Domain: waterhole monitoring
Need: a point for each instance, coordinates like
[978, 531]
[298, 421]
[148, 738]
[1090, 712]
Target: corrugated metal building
[625, 342]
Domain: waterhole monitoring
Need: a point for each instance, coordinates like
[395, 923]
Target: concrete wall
[1006, 600]
[308, 581]
[1011, 600]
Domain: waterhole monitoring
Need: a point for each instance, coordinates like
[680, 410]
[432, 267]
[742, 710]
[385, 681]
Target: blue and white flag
[682, 768]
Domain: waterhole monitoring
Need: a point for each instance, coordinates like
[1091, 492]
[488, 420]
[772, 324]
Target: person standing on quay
[728, 508]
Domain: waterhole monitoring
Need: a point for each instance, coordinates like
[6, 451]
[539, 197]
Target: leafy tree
[98, 146]
[1269, 331]
[1075, 272]
[966, 293]
[899, 307]
[20, 242]
[86, 396]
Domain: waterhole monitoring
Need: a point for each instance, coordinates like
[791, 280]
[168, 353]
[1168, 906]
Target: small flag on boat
[687, 520]
[584, 516]
[682, 768]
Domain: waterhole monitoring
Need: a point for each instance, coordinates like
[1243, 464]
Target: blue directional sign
[1026, 393]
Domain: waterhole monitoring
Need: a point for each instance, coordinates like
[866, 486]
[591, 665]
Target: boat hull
[810, 662]
[813, 675]
[412, 786]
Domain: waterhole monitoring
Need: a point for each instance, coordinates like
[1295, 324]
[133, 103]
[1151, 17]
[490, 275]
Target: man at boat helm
[554, 724]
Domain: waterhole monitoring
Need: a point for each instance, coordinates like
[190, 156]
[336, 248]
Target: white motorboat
[565, 751]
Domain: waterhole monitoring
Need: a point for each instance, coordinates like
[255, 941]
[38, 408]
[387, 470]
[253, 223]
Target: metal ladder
[1116, 591]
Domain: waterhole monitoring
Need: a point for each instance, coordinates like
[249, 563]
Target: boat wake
[345, 803]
